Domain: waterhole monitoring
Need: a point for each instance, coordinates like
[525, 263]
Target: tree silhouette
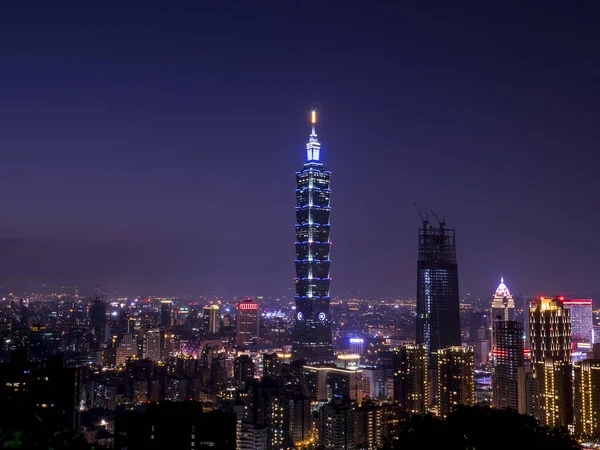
[481, 428]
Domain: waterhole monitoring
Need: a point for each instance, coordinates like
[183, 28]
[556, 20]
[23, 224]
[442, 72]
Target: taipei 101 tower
[312, 330]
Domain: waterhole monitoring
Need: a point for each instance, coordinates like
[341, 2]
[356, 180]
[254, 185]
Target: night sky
[153, 148]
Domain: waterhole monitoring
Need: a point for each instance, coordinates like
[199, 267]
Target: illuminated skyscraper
[247, 322]
[410, 378]
[151, 344]
[508, 377]
[581, 319]
[312, 330]
[550, 327]
[211, 318]
[166, 314]
[438, 311]
[503, 304]
[456, 378]
[587, 395]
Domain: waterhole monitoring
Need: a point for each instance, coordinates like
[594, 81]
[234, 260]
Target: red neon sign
[245, 306]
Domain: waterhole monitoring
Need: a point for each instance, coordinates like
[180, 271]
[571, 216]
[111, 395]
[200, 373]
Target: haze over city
[154, 148]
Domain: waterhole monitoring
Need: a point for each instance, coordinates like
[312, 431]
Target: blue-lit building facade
[438, 309]
[312, 339]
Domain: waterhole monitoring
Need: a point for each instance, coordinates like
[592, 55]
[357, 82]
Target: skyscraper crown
[313, 146]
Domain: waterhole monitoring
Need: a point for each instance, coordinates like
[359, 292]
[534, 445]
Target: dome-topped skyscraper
[503, 304]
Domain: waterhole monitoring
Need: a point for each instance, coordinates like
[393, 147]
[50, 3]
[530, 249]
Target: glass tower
[438, 309]
[312, 331]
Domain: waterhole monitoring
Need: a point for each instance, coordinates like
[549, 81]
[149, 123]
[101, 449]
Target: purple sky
[154, 148]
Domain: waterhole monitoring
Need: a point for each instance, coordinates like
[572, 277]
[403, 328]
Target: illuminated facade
[312, 339]
[550, 328]
[456, 378]
[410, 378]
[211, 318]
[587, 397]
[503, 304]
[247, 322]
[438, 310]
[508, 376]
[581, 319]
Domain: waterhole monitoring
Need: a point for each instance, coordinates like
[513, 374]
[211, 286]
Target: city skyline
[119, 168]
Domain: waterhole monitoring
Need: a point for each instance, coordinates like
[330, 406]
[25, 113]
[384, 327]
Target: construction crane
[424, 219]
[441, 222]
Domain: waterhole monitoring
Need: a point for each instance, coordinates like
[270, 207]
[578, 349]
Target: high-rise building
[336, 426]
[438, 310]
[98, 318]
[247, 322]
[587, 395]
[456, 378]
[508, 376]
[581, 319]
[327, 382]
[410, 378]
[151, 344]
[311, 339]
[301, 421]
[273, 363]
[368, 426]
[550, 328]
[243, 369]
[127, 348]
[166, 314]
[503, 304]
[211, 318]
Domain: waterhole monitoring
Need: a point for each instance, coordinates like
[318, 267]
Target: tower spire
[313, 146]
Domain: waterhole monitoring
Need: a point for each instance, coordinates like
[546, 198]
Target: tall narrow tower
[312, 331]
[438, 309]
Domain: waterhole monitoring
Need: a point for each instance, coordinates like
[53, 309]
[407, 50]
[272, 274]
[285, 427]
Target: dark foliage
[480, 428]
[38, 431]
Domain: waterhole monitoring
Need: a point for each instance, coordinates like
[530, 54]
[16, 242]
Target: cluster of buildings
[159, 373]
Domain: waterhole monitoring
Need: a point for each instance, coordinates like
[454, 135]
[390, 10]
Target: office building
[311, 338]
[126, 348]
[410, 378]
[151, 344]
[550, 328]
[587, 395]
[98, 319]
[243, 370]
[212, 319]
[438, 315]
[248, 323]
[581, 319]
[357, 345]
[336, 426]
[456, 378]
[347, 361]
[166, 314]
[273, 363]
[324, 383]
[503, 304]
[508, 376]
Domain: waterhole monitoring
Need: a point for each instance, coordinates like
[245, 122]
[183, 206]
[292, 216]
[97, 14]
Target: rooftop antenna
[424, 219]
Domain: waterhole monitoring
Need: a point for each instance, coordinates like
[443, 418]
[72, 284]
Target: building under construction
[438, 315]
